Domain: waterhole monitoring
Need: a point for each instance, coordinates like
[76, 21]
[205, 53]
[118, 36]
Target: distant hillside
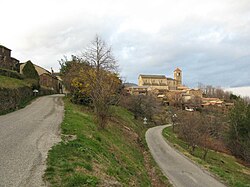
[242, 91]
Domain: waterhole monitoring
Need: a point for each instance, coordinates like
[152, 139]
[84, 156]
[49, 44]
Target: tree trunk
[193, 149]
[205, 154]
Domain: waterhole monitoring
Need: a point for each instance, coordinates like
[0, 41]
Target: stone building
[6, 61]
[178, 76]
[47, 79]
[161, 82]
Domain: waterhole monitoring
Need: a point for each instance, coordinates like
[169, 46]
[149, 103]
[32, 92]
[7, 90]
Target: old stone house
[6, 61]
[47, 79]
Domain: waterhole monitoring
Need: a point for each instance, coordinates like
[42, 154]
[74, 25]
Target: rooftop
[153, 76]
[1, 46]
[177, 69]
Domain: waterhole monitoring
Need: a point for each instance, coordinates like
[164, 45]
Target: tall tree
[239, 133]
[29, 71]
[31, 74]
[100, 79]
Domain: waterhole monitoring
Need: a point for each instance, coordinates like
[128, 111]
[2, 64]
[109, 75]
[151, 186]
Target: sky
[208, 39]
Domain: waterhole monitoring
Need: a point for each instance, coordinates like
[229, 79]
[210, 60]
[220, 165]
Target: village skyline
[208, 40]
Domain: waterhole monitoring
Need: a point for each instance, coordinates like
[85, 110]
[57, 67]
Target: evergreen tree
[29, 71]
[239, 132]
[31, 74]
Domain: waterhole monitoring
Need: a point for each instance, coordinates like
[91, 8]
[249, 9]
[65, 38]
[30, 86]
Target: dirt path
[25, 138]
[177, 168]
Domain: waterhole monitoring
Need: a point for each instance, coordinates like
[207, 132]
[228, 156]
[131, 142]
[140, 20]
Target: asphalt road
[176, 167]
[25, 138]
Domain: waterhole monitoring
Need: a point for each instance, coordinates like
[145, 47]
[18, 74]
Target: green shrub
[31, 74]
[10, 73]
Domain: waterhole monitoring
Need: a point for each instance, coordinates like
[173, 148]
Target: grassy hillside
[7, 82]
[224, 166]
[116, 156]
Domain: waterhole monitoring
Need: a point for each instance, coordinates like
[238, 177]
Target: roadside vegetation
[103, 142]
[217, 139]
[114, 156]
[224, 166]
[8, 82]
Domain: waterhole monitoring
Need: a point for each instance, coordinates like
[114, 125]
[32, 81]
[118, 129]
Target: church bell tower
[178, 76]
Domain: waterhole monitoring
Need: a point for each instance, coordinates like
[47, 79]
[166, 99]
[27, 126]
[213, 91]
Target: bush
[31, 75]
[10, 73]
[29, 71]
[239, 132]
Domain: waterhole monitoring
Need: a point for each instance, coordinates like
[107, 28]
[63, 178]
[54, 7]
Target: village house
[6, 61]
[170, 90]
[47, 79]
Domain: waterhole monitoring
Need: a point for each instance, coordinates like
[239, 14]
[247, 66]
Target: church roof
[153, 76]
[170, 79]
[177, 69]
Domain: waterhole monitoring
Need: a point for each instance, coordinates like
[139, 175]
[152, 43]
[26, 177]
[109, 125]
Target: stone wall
[12, 99]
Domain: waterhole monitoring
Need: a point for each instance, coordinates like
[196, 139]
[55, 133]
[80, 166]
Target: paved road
[180, 171]
[25, 138]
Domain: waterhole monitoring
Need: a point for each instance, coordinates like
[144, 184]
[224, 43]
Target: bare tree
[100, 79]
[99, 56]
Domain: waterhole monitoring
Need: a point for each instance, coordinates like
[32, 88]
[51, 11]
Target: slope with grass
[8, 82]
[224, 166]
[88, 156]
[14, 94]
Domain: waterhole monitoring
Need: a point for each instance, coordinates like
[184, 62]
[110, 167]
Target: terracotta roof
[153, 76]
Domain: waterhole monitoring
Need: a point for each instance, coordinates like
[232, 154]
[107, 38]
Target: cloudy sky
[208, 39]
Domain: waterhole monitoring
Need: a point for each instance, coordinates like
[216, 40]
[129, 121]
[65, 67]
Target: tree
[198, 129]
[70, 70]
[239, 132]
[99, 56]
[31, 74]
[99, 79]
[187, 129]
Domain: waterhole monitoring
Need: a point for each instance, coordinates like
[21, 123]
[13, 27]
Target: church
[162, 82]
[158, 84]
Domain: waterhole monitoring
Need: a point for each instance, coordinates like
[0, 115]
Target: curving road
[25, 138]
[175, 166]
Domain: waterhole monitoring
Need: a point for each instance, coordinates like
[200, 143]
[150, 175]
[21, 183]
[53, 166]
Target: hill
[87, 156]
[8, 82]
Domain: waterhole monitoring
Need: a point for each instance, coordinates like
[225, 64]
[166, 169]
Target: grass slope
[111, 157]
[222, 165]
[8, 82]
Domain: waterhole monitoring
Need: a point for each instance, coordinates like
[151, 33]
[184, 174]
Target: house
[6, 61]
[47, 79]
[138, 90]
